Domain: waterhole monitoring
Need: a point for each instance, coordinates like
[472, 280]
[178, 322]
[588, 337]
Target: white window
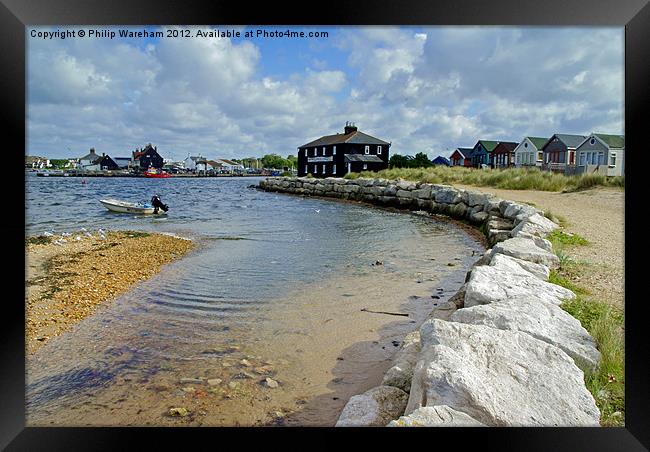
[612, 160]
[306, 169]
[315, 169]
[539, 156]
[305, 152]
[367, 149]
[334, 150]
[365, 166]
[378, 150]
[323, 169]
[334, 166]
[315, 152]
[323, 150]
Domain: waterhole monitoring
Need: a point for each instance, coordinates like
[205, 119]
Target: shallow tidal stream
[267, 322]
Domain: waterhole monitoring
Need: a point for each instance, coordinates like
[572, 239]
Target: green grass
[556, 278]
[606, 324]
[510, 178]
[607, 383]
[561, 238]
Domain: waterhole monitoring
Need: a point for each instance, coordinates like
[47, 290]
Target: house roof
[442, 160]
[465, 152]
[571, 141]
[91, 156]
[228, 162]
[508, 146]
[613, 141]
[354, 137]
[214, 163]
[538, 141]
[362, 158]
[488, 144]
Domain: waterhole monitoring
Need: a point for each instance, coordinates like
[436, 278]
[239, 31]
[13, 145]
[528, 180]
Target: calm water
[270, 282]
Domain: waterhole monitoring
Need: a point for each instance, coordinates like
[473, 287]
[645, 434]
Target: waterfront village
[354, 151]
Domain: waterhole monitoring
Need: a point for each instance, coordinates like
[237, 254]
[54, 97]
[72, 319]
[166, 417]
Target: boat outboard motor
[158, 204]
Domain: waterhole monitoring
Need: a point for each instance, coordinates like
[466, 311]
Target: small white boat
[116, 205]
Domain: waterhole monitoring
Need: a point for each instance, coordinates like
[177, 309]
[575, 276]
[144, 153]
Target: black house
[337, 155]
[147, 157]
[107, 163]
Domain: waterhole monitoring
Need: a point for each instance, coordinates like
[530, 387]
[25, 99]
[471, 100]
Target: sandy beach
[68, 282]
[596, 214]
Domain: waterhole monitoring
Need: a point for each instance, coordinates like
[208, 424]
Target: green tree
[421, 160]
[274, 161]
[399, 161]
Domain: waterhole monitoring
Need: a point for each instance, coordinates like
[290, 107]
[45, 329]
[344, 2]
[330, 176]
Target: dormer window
[378, 150]
[367, 150]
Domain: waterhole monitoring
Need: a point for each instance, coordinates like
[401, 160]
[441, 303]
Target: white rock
[375, 407]
[541, 320]
[526, 249]
[436, 416]
[488, 284]
[537, 225]
[401, 373]
[520, 266]
[499, 378]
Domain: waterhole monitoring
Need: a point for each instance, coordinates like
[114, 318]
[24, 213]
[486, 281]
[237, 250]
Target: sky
[424, 89]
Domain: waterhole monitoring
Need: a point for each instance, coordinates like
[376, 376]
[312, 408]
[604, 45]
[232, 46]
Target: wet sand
[68, 282]
[317, 345]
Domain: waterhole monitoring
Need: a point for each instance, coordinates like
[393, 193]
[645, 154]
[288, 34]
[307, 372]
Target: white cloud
[425, 90]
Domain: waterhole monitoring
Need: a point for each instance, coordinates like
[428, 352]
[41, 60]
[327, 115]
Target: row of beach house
[148, 157]
[564, 153]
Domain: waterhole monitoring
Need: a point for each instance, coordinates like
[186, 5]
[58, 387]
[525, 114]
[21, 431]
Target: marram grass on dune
[510, 178]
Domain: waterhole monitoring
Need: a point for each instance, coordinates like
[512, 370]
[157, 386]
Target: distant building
[440, 160]
[229, 166]
[339, 154]
[481, 153]
[33, 161]
[559, 152]
[122, 162]
[529, 152]
[107, 163]
[503, 154]
[461, 157]
[90, 161]
[195, 163]
[600, 153]
[147, 157]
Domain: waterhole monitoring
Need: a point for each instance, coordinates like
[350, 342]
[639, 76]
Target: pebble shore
[67, 281]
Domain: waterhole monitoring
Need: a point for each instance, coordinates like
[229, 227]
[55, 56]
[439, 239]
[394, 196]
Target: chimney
[92, 150]
[349, 127]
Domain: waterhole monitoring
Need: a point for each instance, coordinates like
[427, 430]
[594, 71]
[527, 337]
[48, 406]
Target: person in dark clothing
[158, 204]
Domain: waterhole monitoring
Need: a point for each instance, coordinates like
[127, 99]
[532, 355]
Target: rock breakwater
[503, 353]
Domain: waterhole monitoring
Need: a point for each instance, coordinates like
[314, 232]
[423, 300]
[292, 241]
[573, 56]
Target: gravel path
[596, 214]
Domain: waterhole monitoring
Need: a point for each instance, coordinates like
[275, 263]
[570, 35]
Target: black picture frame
[16, 15]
